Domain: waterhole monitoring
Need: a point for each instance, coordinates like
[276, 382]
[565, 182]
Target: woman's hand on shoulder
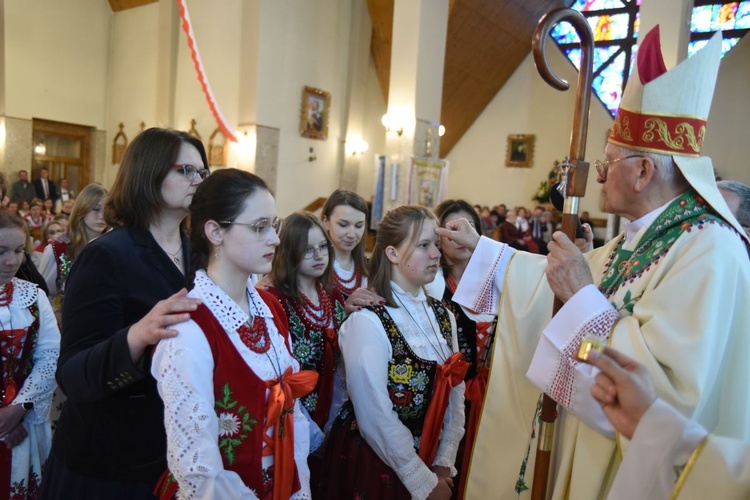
[362, 297]
[153, 326]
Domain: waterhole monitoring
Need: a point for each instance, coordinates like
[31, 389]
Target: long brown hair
[400, 225]
[220, 197]
[351, 199]
[291, 251]
[85, 203]
[135, 199]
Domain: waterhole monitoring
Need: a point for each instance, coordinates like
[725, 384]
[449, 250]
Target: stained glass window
[709, 16]
[615, 25]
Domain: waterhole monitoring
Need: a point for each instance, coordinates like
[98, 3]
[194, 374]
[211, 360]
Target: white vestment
[684, 315]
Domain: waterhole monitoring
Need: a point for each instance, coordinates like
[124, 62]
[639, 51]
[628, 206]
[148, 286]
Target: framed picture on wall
[427, 178]
[316, 106]
[520, 151]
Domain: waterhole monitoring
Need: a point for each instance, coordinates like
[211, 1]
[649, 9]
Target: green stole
[686, 213]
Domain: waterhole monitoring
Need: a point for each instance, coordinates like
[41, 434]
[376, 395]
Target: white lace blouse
[183, 368]
[366, 351]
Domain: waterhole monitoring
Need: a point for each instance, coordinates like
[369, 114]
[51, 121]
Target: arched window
[615, 25]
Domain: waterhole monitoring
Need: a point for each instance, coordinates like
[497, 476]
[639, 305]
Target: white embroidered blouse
[366, 351]
[183, 368]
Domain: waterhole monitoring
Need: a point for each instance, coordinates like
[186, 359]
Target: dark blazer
[40, 189]
[112, 424]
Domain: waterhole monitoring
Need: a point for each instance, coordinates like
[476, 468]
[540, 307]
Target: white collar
[632, 228]
[24, 294]
[406, 296]
[226, 310]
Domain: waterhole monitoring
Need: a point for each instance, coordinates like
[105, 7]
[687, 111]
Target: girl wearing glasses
[301, 277]
[124, 290]
[398, 435]
[228, 379]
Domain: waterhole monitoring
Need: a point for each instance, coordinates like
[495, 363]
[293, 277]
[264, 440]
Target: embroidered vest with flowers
[411, 379]
[240, 405]
[315, 344]
[17, 349]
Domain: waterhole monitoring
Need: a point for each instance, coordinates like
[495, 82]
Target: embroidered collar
[24, 294]
[406, 296]
[226, 310]
[632, 228]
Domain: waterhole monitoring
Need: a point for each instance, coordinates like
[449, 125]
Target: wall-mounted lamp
[392, 124]
[356, 146]
[441, 130]
[40, 148]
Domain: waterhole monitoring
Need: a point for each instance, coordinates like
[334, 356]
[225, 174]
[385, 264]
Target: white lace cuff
[417, 478]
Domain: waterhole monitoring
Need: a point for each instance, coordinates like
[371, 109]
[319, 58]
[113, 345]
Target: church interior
[315, 95]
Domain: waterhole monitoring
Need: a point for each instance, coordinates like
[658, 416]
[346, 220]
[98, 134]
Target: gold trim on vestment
[688, 467]
[651, 113]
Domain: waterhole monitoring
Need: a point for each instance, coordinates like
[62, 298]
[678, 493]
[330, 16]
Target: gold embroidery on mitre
[621, 128]
[683, 132]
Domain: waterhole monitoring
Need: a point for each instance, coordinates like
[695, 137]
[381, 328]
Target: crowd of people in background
[334, 376]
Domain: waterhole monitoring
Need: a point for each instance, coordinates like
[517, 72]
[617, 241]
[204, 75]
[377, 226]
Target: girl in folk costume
[86, 223]
[475, 331]
[29, 345]
[398, 435]
[301, 277]
[228, 379]
[345, 218]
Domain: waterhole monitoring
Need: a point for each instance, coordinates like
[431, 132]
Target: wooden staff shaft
[575, 175]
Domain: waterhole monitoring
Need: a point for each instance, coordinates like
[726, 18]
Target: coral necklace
[6, 294]
[255, 337]
[316, 318]
[347, 287]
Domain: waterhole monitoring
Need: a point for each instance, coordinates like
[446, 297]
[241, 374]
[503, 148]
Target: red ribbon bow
[447, 376]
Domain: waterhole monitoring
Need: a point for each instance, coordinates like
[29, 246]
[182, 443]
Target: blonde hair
[89, 197]
[402, 224]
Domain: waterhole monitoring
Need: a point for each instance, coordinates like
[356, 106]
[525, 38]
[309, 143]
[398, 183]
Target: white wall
[372, 132]
[56, 56]
[525, 105]
[726, 134]
[307, 45]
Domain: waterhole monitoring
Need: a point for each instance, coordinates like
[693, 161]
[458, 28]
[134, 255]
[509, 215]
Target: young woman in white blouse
[228, 380]
[30, 345]
[398, 436]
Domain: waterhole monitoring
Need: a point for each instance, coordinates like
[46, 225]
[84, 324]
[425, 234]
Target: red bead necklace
[255, 338]
[347, 287]
[6, 294]
[318, 317]
[451, 282]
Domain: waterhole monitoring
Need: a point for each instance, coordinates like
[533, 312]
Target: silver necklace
[442, 356]
[174, 256]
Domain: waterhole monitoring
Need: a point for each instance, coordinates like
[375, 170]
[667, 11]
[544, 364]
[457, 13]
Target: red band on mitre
[678, 135]
[650, 61]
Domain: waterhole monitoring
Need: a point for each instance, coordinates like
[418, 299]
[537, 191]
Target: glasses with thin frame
[311, 251]
[602, 167]
[191, 172]
[261, 227]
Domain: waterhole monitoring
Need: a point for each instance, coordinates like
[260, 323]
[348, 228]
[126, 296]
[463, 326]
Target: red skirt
[352, 470]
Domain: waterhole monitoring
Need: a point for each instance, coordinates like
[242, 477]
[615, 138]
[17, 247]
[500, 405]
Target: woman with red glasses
[124, 290]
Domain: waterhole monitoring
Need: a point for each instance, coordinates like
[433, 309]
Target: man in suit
[22, 189]
[45, 188]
